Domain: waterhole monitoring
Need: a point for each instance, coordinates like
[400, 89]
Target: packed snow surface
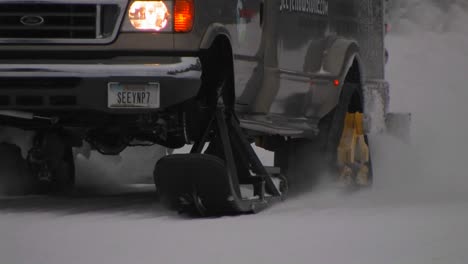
[416, 214]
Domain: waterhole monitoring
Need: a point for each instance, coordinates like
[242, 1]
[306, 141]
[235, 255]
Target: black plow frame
[209, 181]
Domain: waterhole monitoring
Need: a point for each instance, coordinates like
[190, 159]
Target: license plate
[121, 95]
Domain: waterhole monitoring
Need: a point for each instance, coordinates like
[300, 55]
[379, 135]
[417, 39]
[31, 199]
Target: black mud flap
[210, 184]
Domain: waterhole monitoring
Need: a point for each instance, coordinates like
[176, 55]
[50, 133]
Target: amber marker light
[183, 15]
[149, 15]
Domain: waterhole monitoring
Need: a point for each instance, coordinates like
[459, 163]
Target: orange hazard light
[183, 15]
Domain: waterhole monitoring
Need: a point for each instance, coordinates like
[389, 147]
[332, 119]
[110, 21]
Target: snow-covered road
[416, 214]
[319, 228]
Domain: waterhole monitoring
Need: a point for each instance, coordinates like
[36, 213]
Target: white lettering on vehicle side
[316, 7]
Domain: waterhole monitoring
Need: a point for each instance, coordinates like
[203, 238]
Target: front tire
[15, 178]
[52, 164]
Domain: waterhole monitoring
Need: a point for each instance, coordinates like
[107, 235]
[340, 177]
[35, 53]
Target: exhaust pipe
[27, 116]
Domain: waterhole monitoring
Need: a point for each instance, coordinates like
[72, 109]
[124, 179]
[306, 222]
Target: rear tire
[303, 161]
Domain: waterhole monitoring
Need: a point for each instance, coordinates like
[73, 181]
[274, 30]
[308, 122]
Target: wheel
[341, 149]
[52, 163]
[14, 175]
[353, 154]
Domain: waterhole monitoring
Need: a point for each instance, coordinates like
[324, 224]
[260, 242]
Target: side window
[248, 27]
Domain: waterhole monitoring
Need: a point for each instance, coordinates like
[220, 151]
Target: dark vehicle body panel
[300, 55]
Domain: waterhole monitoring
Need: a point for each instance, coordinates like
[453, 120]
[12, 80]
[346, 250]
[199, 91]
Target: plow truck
[300, 78]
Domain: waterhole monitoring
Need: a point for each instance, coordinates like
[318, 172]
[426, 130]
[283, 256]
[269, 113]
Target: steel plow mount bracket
[212, 182]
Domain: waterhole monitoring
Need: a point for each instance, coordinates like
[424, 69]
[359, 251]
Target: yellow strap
[359, 123]
[346, 148]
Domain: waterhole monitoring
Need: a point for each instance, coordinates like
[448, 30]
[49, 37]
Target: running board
[276, 126]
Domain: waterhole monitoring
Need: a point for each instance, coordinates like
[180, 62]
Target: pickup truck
[301, 78]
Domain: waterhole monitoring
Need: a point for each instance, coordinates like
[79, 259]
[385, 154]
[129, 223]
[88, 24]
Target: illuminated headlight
[152, 16]
[159, 16]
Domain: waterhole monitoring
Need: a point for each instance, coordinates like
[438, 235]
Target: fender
[339, 58]
[373, 93]
[337, 62]
[213, 31]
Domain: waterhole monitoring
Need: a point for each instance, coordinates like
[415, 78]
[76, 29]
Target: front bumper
[82, 85]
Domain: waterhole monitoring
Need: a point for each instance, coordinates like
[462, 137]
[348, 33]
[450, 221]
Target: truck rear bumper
[83, 85]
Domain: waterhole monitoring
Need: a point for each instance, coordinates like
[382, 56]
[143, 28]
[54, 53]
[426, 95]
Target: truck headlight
[159, 16]
[149, 15]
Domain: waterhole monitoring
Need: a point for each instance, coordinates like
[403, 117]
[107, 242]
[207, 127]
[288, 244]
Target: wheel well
[217, 63]
[354, 78]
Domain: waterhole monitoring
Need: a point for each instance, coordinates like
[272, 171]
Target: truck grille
[48, 21]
